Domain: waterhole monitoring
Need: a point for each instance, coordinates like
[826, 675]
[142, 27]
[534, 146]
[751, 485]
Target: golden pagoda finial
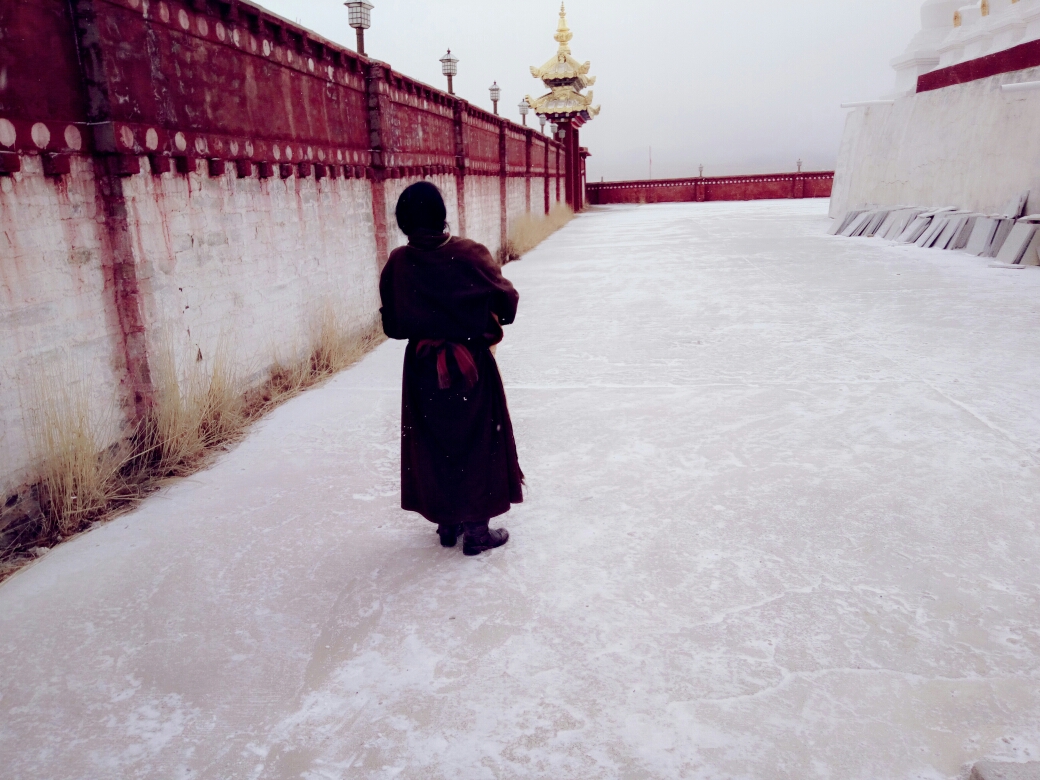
[563, 32]
[566, 78]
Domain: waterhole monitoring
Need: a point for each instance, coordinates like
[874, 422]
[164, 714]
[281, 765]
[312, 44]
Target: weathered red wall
[774, 186]
[185, 157]
[229, 81]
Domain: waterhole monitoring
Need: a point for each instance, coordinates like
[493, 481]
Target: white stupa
[959, 127]
[952, 33]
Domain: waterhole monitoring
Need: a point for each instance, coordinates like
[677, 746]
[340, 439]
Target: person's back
[448, 299]
[445, 292]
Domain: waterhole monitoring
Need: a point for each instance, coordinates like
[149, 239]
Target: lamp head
[450, 64]
[360, 14]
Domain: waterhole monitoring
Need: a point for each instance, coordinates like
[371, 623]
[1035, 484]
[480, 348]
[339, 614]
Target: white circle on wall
[321, 155]
[201, 146]
[339, 155]
[332, 73]
[249, 148]
[180, 142]
[236, 36]
[233, 146]
[288, 153]
[126, 137]
[267, 48]
[355, 157]
[221, 32]
[289, 55]
[151, 139]
[310, 153]
[310, 65]
[277, 152]
[8, 134]
[164, 13]
[203, 26]
[73, 138]
[135, 4]
[182, 18]
[41, 136]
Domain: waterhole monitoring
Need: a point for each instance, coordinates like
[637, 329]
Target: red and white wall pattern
[183, 178]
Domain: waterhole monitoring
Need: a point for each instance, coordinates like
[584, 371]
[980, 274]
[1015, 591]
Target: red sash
[463, 359]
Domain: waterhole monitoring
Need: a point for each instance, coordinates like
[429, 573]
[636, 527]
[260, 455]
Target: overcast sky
[744, 87]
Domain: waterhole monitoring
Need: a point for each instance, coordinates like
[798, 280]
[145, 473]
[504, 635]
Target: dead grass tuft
[76, 483]
[189, 420]
[531, 230]
[333, 348]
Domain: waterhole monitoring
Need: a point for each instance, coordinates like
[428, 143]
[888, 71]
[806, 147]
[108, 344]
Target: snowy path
[782, 523]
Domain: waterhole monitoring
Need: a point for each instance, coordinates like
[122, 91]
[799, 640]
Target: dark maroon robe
[458, 454]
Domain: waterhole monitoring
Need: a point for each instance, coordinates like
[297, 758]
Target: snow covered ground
[782, 523]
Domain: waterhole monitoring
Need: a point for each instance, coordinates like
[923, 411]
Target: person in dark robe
[447, 297]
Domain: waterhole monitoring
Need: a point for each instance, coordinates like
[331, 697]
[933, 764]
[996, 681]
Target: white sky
[740, 87]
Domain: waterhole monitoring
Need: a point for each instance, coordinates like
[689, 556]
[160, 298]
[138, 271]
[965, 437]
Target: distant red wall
[773, 186]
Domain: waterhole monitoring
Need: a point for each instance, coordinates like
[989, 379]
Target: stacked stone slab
[1009, 238]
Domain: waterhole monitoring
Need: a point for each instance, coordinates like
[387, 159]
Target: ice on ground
[782, 523]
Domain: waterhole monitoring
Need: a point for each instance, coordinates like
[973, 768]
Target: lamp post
[496, 95]
[360, 20]
[524, 108]
[799, 165]
[450, 68]
[542, 120]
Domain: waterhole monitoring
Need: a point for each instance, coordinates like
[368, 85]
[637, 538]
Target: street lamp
[450, 68]
[542, 120]
[800, 165]
[496, 95]
[524, 108]
[360, 20]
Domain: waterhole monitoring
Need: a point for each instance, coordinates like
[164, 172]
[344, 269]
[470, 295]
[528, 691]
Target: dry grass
[79, 476]
[333, 348]
[190, 418]
[82, 482]
[530, 230]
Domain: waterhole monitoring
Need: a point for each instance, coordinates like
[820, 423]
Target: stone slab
[997, 770]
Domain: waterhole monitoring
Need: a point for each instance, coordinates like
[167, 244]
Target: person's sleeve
[504, 298]
[391, 326]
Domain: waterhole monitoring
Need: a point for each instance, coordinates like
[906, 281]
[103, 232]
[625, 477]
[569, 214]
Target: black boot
[479, 538]
[449, 533]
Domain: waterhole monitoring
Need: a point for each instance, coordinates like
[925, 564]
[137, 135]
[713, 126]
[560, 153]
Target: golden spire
[566, 78]
[563, 32]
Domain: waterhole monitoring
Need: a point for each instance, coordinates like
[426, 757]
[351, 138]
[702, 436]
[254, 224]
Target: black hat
[421, 210]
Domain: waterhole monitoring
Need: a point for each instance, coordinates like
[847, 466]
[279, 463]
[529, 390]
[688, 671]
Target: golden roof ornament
[566, 78]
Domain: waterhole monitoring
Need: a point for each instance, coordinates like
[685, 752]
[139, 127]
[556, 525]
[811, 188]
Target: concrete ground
[782, 522]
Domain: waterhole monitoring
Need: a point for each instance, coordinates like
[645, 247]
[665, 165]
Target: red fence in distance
[780, 186]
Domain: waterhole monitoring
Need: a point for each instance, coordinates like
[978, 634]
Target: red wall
[226, 80]
[118, 98]
[727, 188]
